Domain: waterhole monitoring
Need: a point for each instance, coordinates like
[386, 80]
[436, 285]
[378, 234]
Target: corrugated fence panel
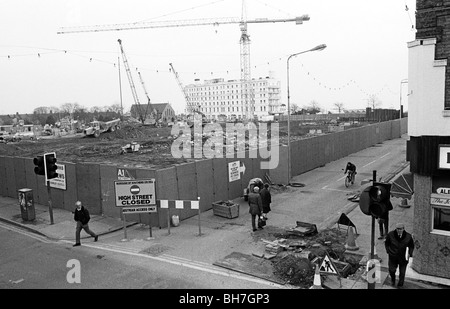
[3, 189]
[255, 168]
[21, 173]
[249, 173]
[70, 194]
[187, 187]
[279, 175]
[147, 218]
[205, 183]
[220, 171]
[108, 174]
[88, 187]
[295, 158]
[11, 188]
[166, 188]
[31, 178]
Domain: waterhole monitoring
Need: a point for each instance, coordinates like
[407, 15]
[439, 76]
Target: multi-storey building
[220, 99]
[429, 132]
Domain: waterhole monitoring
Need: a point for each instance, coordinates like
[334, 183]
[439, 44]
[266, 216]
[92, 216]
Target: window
[440, 214]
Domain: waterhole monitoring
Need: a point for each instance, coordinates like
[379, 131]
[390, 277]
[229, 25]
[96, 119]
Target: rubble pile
[294, 268]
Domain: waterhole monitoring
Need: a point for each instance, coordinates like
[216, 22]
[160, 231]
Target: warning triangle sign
[327, 266]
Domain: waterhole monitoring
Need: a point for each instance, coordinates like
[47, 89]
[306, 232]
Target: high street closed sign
[135, 192]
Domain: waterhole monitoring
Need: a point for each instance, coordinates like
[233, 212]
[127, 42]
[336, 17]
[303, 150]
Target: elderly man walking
[396, 243]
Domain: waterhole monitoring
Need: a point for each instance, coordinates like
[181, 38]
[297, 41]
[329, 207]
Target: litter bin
[26, 204]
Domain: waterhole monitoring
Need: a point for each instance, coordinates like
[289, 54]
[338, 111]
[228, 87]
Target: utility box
[26, 203]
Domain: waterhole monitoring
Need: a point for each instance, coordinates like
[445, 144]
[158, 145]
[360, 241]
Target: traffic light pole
[371, 283]
[50, 209]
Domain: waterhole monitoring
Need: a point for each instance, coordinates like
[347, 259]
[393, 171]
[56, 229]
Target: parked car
[251, 184]
[6, 137]
[19, 136]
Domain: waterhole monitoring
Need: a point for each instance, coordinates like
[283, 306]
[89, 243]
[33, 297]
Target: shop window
[441, 219]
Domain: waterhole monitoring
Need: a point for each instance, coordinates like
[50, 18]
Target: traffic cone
[317, 284]
[351, 243]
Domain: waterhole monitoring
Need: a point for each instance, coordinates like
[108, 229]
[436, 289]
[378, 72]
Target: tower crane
[149, 105]
[130, 79]
[244, 39]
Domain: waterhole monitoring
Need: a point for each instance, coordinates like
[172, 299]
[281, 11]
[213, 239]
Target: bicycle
[350, 178]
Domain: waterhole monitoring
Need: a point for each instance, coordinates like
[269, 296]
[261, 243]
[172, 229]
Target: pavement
[221, 236]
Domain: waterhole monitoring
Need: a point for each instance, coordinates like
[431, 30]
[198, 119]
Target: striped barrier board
[178, 204]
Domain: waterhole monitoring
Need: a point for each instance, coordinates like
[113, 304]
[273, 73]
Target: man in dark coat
[82, 217]
[396, 243]
[266, 198]
[255, 206]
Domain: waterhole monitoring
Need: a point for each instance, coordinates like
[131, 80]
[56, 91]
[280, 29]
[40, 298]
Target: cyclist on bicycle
[351, 168]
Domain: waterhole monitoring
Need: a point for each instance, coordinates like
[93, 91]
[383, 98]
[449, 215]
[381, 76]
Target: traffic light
[375, 200]
[39, 169]
[50, 166]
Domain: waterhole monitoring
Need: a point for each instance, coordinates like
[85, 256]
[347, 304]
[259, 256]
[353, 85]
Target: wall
[426, 88]
[207, 179]
[430, 255]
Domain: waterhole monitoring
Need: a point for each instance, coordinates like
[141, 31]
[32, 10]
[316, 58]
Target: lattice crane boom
[189, 107]
[130, 80]
[178, 23]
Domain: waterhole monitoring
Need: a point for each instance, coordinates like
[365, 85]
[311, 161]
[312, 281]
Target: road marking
[369, 163]
[202, 266]
[189, 264]
[384, 155]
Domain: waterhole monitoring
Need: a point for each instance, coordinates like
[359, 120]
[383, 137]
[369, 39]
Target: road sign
[135, 210]
[135, 192]
[234, 170]
[60, 181]
[327, 266]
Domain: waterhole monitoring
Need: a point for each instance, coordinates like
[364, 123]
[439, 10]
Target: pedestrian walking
[396, 243]
[255, 207]
[266, 198]
[383, 224]
[82, 217]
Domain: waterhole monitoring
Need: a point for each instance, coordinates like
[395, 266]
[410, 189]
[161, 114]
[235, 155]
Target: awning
[403, 186]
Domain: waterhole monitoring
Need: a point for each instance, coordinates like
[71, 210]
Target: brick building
[429, 132]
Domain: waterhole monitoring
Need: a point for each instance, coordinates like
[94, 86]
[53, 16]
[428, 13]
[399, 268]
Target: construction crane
[149, 105]
[190, 108]
[130, 79]
[244, 39]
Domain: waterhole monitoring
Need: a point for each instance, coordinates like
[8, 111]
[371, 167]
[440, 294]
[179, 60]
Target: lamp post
[317, 48]
[401, 83]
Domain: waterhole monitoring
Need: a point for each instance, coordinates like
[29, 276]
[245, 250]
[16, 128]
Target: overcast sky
[366, 51]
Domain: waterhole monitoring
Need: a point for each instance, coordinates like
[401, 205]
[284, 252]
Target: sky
[366, 52]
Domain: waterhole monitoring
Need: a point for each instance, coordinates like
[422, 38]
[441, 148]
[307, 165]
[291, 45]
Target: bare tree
[339, 106]
[69, 107]
[313, 107]
[294, 108]
[373, 101]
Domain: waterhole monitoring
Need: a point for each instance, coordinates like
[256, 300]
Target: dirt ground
[155, 146]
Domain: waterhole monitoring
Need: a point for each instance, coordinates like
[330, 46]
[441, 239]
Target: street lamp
[401, 83]
[317, 48]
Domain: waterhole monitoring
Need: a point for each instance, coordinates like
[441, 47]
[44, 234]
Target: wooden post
[124, 225]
